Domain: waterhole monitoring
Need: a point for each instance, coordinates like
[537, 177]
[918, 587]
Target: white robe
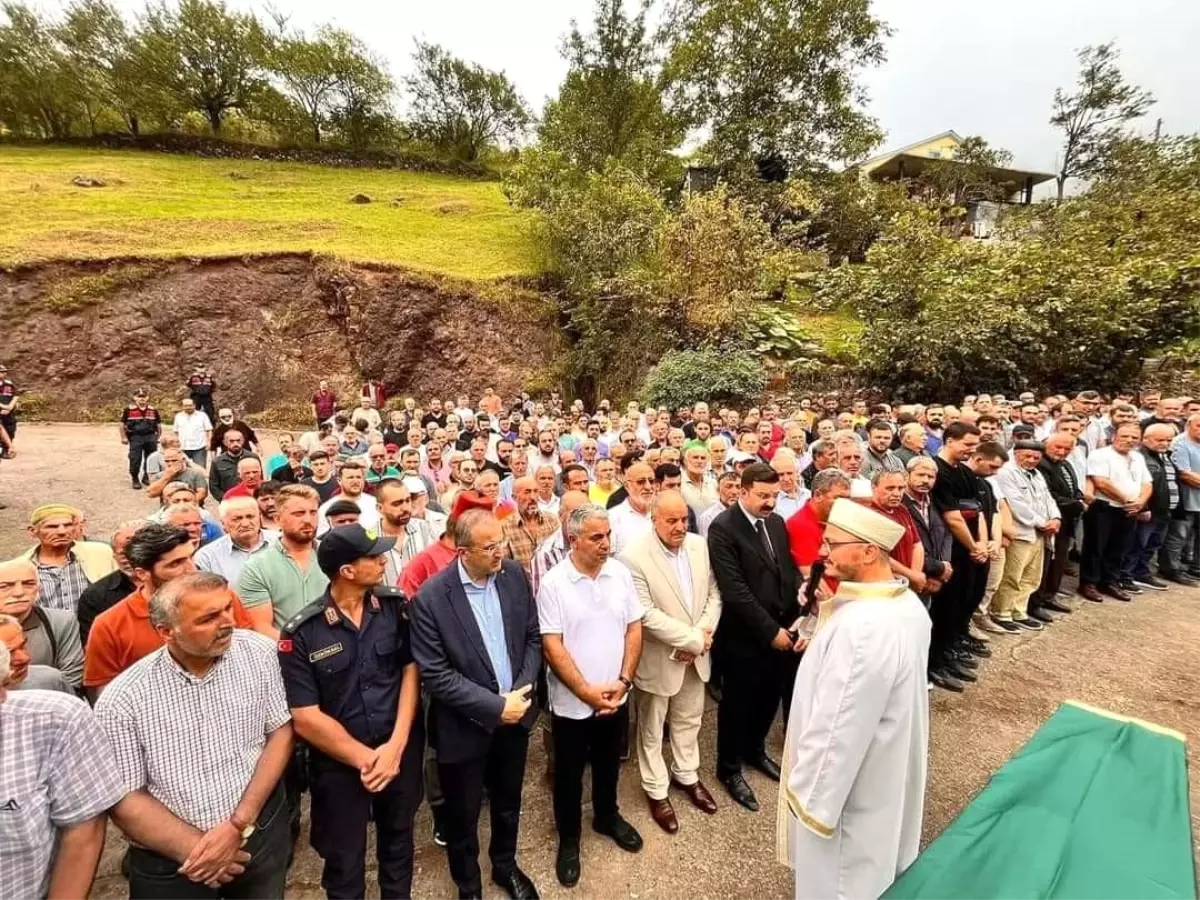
[856, 753]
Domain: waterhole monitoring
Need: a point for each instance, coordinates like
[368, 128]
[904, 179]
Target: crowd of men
[381, 612]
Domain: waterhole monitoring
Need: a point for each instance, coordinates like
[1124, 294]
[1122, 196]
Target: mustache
[223, 634]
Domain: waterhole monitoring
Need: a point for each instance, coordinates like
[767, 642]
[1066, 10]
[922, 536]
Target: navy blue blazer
[457, 675]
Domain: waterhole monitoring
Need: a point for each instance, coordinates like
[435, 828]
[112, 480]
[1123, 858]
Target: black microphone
[815, 574]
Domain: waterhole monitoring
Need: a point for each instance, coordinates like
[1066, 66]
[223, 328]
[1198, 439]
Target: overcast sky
[976, 66]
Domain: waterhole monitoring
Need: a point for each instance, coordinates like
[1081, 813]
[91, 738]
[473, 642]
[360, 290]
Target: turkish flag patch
[285, 646]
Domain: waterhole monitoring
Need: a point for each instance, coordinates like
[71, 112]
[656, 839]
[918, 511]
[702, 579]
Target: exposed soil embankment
[79, 337]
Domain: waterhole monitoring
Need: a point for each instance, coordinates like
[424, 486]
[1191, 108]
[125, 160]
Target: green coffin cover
[1095, 805]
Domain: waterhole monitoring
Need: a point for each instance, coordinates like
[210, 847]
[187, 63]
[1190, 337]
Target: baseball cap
[392, 448]
[741, 456]
[344, 545]
[414, 484]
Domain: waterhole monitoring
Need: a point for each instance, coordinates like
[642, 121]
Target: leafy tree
[774, 79]
[610, 105]
[93, 35]
[209, 58]
[38, 94]
[685, 377]
[1093, 115]
[969, 175]
[362, 109]
[461, 107]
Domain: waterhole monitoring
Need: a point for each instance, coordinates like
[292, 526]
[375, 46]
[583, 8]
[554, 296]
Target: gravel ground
[1140, 659]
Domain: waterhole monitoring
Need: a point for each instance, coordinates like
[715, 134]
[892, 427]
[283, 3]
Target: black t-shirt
[324, 491]
[440, 418]
[957, 489]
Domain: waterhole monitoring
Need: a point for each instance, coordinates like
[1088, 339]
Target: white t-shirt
[1127, 472]
[592, 616]
[190, 429]
[627, 525]
[368, 517]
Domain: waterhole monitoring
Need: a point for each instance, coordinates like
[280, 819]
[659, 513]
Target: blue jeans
[1183, 534]
[152, 875]
[1147, 538]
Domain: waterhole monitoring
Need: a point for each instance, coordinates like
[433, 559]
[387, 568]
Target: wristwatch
[244, 830]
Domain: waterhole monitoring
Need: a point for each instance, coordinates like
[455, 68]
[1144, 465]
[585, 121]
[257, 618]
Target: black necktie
[761, 527]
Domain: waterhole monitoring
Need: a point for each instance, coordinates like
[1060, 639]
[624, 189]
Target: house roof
[883, 157]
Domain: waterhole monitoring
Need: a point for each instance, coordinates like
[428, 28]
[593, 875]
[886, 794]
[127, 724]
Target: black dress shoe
[1111, 590]
[766, 765]
[516, 884]
[1055, 606]
[954, 670]
[946, 682]
[964, 659]
[623, 834]
[740, 791]
[1042, 616]
[1091, 592]
[976, 648]
[1178, 578]
[566, 865]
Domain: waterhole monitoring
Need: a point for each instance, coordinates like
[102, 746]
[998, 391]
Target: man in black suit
[759, 582]
[477, 643]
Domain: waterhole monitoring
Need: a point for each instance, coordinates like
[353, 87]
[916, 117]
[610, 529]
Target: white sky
[977, 67]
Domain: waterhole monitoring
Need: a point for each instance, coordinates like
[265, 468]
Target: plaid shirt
[56, 770]
[550, 553]
[59, 587]
[193, 743]
[523, 537]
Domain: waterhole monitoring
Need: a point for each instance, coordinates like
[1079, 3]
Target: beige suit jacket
[668, 624]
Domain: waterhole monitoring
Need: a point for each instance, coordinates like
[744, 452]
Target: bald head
[525, 493]
[1158, 437]
[571, 500]
[669, 514]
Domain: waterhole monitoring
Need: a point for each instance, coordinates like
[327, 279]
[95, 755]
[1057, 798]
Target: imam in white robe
[853, 788]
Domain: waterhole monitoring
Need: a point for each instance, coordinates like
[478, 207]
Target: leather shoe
[740, 791]
[946, 682]
[566, 865]
[1091, 592]
[1111, 590]
[699, 795]
[766, 765]
[623, 834]
[516, 884]
[954, 670]
[1042, 616]
[663, 814]
[1056, 606]
[964, 659]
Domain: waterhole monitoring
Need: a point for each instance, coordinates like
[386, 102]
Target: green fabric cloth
[1093, 806]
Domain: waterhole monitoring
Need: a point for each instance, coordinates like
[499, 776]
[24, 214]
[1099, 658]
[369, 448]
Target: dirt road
[1139, 659]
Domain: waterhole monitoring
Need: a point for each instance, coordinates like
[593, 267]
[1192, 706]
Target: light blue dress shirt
[485, 606]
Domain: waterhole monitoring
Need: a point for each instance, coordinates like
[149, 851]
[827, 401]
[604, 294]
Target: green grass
[163, 205]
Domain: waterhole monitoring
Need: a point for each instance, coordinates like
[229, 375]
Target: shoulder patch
[313, 609]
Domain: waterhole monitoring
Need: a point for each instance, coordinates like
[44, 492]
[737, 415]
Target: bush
[684, 377]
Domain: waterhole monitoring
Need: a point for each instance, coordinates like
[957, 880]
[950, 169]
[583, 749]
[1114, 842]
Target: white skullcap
[415, 485]
[865, 524]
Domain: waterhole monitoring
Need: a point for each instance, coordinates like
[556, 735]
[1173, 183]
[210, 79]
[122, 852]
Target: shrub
[683, 377]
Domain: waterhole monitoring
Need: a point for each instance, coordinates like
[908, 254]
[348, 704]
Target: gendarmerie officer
[8, 405]
[201, 387]
[354, 693]
[140, 427]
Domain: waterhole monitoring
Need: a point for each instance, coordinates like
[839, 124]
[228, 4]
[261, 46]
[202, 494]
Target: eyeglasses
[825, 542]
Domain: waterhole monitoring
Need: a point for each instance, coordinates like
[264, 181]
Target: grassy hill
[173, 205]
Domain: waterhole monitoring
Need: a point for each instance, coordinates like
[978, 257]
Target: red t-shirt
[805, 533]
[326, 403]
[903, 551]
[238, 490]
[424, 566]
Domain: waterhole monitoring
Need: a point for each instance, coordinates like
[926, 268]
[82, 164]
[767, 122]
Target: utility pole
[1157, 129]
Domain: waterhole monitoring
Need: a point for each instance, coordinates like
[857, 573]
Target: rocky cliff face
[79, 338]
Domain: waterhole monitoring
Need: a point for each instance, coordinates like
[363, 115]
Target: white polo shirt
[628, 525]
[1127, 472]
[192, 430]
[592, 616]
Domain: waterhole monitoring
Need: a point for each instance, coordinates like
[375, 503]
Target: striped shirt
[59, 587]
[417, 536]
[56, 770]
[549, 554]
[227, 559]
[193, 743]
[524, 536]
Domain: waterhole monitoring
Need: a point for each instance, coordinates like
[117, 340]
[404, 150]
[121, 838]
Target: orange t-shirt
[123, 634]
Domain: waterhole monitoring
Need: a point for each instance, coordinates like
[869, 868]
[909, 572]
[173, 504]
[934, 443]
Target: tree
[1093, 116]
[610, 105]
[969, 175]
[461, 107]
[362, 110]
[38, 94]
[93, 35]
[774, 80]
[210, 59]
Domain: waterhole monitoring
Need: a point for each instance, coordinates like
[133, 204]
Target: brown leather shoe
[1091, 592]
[699, 795]
[663, 813]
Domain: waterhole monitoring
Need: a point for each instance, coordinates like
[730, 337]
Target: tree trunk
[1062, 183]
[214, 119]
[316, 130]
[134, 124]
